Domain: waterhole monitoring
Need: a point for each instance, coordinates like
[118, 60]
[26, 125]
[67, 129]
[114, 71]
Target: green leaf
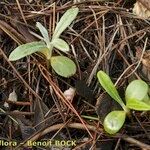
[60, 44]
[44, 32]
[63, 66]
[137, 89]
[146, 99]
[26, 49]
[114, 121]
[108, 85]
[137, 105]
[65, 21]
[136, 96]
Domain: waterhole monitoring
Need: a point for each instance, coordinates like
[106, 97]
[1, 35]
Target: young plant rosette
[136, 96]
[62, 65]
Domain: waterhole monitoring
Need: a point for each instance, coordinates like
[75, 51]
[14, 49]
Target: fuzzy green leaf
[26, 49]
[137, 105]
[114, 121]
[63, 66]
[44, 32]
[108, 85]
[65, 21]
[60, 44]
[137, 89]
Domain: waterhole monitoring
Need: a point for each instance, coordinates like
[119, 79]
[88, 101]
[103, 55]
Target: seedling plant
[62, 65]
[136, 94]
[136, 97]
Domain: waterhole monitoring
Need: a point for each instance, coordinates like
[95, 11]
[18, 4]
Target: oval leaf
[137, 89]
[108, 85]
[114, 121]
[63, 66]
[44, 32]
[60, 44]
[137, 105]
[65, 21]
[26, 49]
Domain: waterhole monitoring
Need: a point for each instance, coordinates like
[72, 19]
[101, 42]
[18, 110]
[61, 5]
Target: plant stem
[126, 109]
[50, 47]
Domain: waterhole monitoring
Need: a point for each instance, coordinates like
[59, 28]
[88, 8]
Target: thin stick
[57, 127]
[136, 142]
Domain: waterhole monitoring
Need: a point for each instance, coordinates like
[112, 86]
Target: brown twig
[57, 127]
[14, 113]
[18, 103]
[136, 142]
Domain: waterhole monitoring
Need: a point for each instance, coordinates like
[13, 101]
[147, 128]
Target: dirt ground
[106, 36]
